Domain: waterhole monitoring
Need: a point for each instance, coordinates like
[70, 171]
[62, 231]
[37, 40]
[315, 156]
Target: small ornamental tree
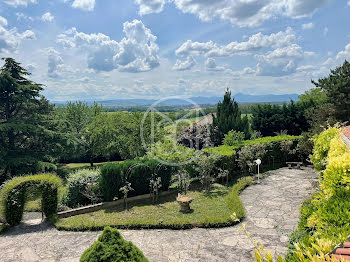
[183, 180]
[206, 170]
[125, 191]
[155, 184]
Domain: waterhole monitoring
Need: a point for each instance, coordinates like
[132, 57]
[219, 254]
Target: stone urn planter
[184, 203]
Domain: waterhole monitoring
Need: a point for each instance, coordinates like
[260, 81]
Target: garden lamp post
[258, 162]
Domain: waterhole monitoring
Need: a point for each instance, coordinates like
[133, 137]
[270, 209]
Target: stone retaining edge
[99, 206]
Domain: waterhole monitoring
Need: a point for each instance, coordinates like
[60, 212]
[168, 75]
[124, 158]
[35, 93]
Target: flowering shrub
[325, 217]
[322, 143]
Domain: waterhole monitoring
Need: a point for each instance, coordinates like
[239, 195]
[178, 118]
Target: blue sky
[113, 49]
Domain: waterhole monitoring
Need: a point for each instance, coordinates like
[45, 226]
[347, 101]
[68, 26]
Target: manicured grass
[81, 165]
[33, 205]
[215, 209]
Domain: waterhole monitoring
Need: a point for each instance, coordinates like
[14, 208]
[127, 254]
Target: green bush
[325, 216]
[14, 192]
[111, 246]
[297, 236]
[226, 150]
[322, 143]
[46, 167]
[233, 138]
[81, 184]
[137, 172]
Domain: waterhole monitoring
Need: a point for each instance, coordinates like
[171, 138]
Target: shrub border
[235, 191]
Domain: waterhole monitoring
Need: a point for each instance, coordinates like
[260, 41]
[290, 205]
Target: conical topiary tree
[111, 246]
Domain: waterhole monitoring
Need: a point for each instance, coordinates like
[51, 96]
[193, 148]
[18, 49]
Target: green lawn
[33, 205]
[209, 210]
[79, 165]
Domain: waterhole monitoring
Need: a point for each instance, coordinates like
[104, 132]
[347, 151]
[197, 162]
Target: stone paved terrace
[272, 214]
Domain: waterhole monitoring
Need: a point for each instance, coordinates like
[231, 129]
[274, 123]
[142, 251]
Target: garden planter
[184, 202]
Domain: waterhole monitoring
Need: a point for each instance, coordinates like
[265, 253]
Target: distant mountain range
[241, 98]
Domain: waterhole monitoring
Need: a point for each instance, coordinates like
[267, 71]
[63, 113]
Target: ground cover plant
[220, 207]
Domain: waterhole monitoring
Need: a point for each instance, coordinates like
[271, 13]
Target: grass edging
[232, 199]
[3, 228]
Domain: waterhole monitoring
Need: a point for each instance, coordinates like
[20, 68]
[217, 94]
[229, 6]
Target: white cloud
[349, 3]
[325, 31]
[184, 65]
[238, 12]
[21, 16]
[281, 61]
[137, 52]
[211, 65]
[47, 17]
[302, 8]
[31, 67]
[17, 3]
[307, 26]
[3, 21]
[195, 48]
[254, 43]
[54, 61]
[27, 35]
[328, 61]
[345, 54]
[150, 6]
[86, 5]
[10, 39]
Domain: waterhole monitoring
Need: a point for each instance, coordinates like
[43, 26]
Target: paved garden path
[272, 214]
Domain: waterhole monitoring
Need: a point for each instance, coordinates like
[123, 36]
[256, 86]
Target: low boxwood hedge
[14, 192]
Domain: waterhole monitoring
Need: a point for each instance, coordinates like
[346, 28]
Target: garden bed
[214, 209]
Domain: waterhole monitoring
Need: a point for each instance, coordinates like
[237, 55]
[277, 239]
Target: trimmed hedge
[14, 192]
[274, 156]
[111, 246]
[139, 174]
[231, 150]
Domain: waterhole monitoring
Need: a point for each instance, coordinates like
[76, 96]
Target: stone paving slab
[272, 214]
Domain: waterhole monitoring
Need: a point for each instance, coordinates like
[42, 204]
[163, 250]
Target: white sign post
[258, 162]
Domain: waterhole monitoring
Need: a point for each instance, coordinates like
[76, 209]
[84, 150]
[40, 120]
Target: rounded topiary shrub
[111, 246]
[14, 192]
[82, 187]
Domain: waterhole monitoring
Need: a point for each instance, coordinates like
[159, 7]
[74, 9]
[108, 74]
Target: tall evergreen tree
[24, 137]
[228, 117]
